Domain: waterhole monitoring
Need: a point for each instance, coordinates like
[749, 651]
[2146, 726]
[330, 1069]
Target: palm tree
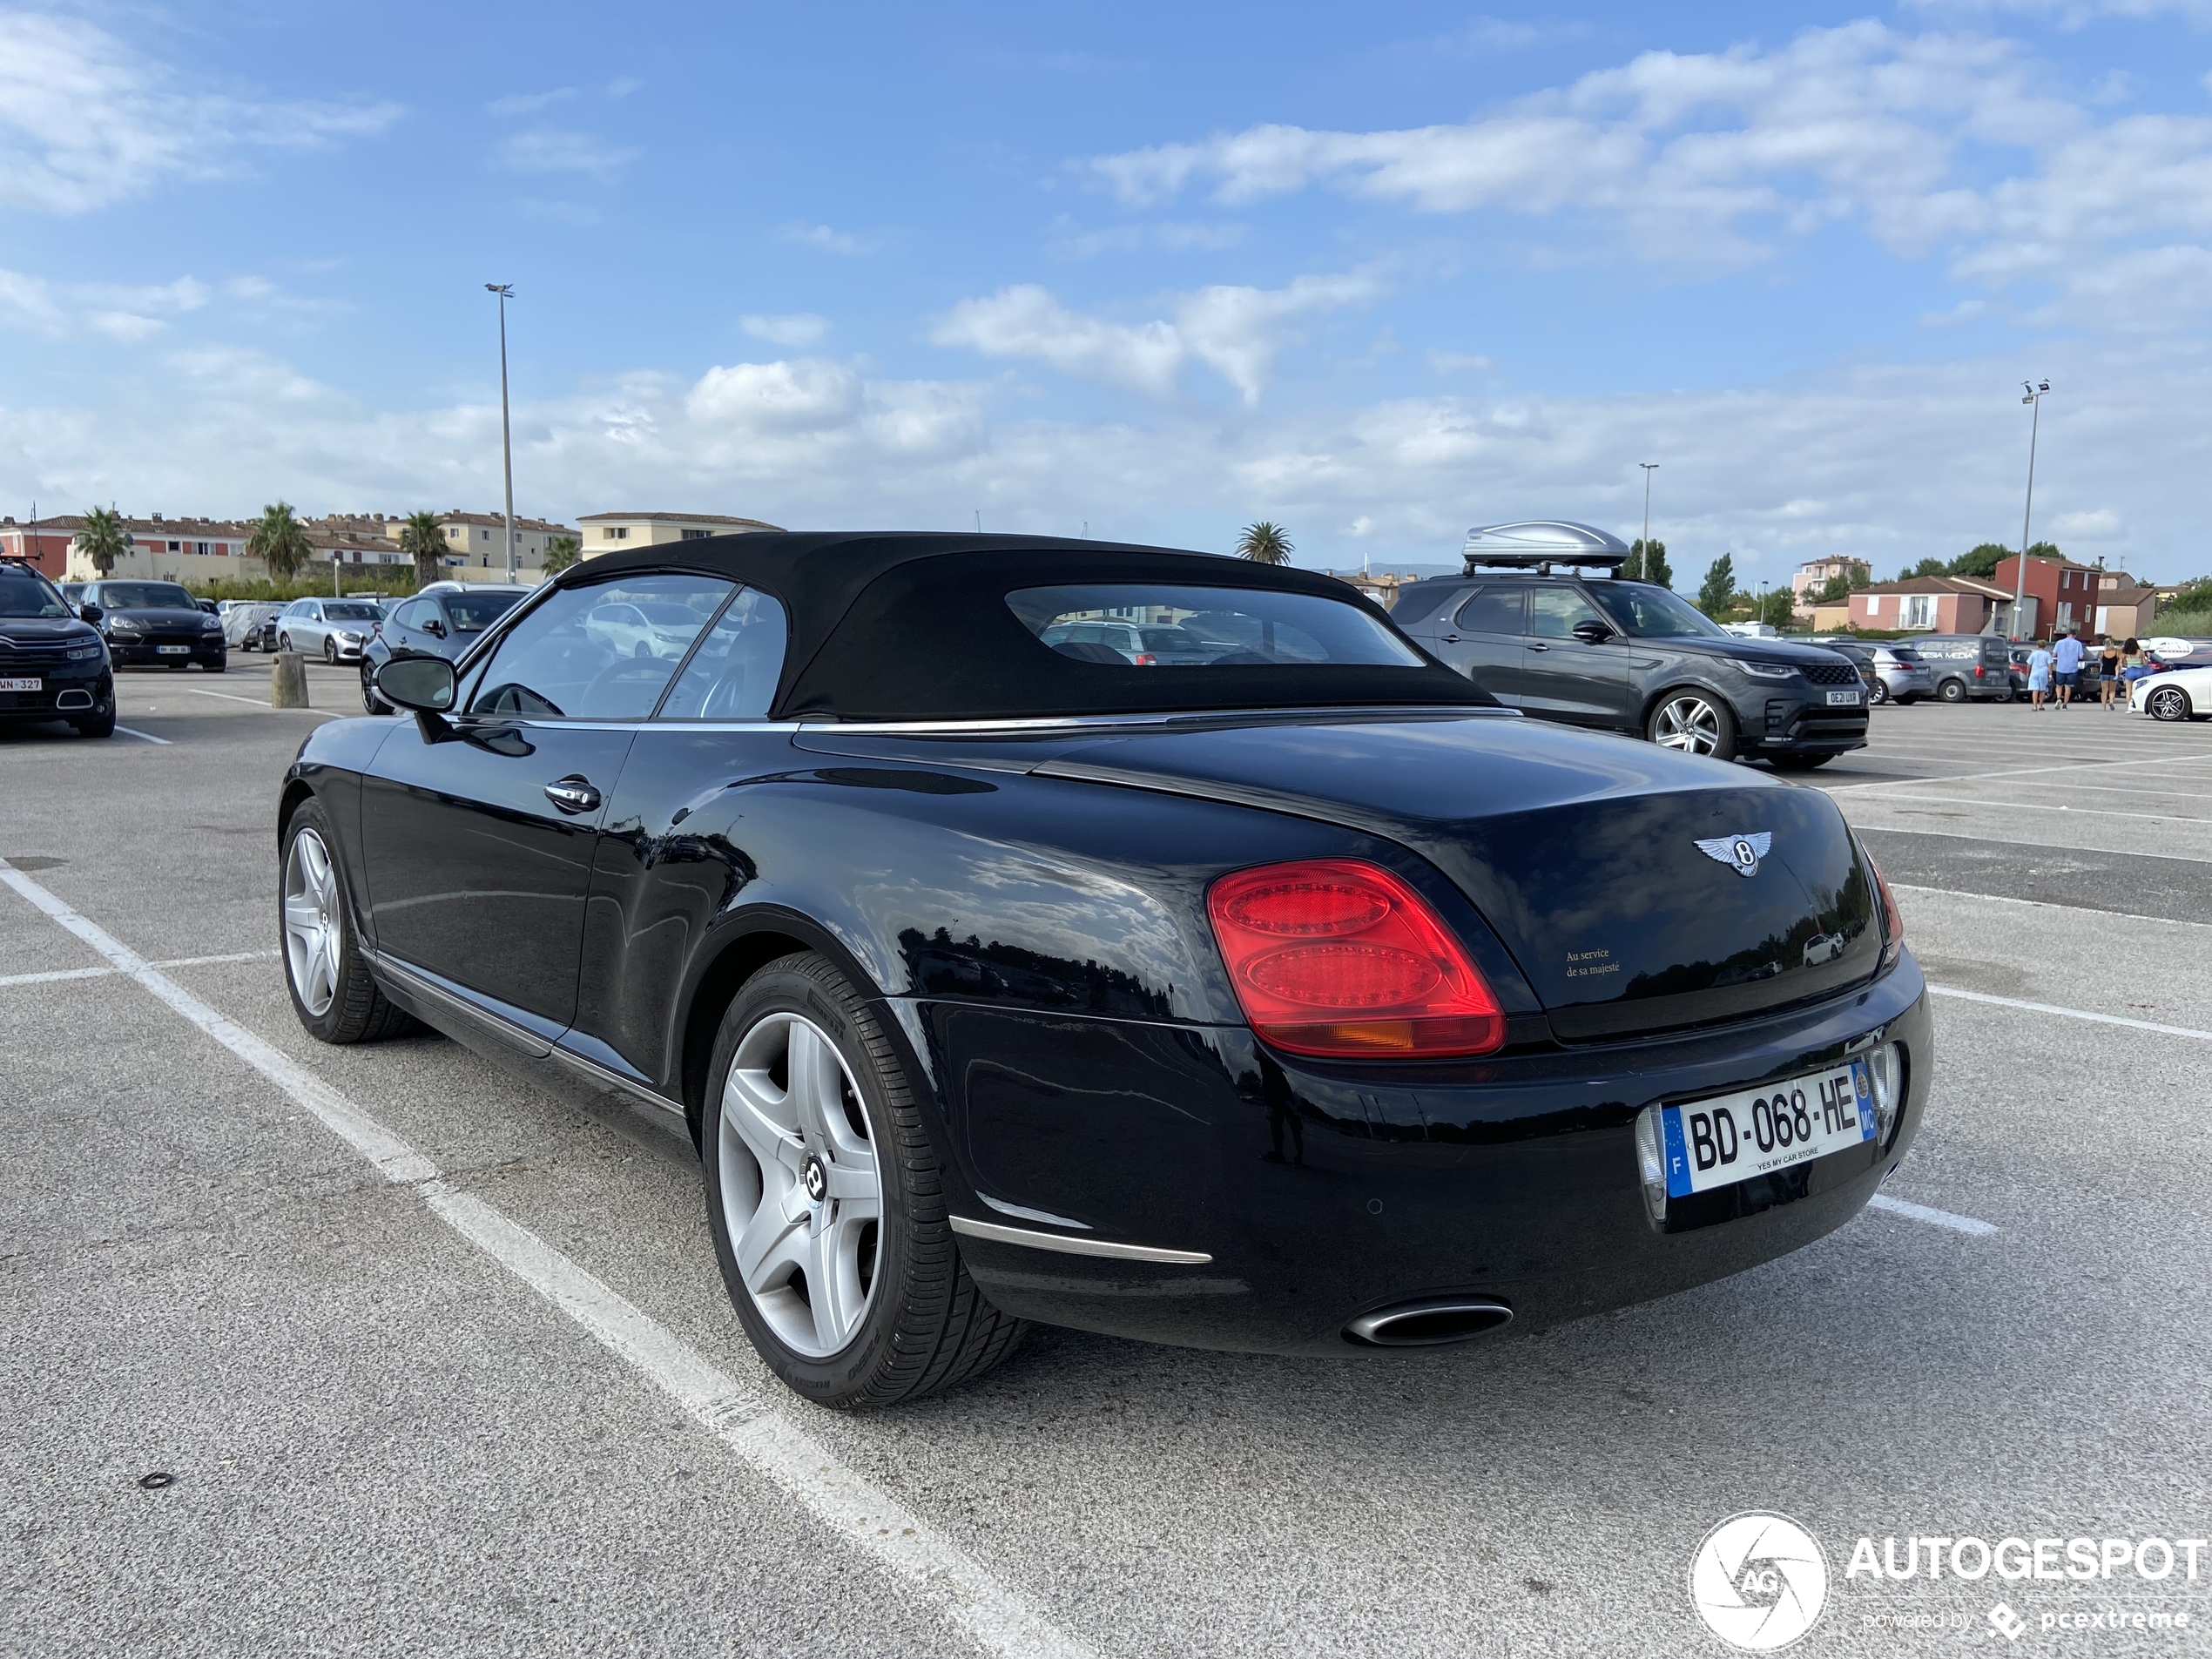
[1265, 543]
[424, 539]
[280, 540]
[103, 539]
[560, 552]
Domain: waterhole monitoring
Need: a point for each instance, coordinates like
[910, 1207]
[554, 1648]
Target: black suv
[155, 624]
[52, 665]
[1594, 649]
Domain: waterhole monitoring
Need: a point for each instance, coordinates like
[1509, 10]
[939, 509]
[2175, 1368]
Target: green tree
[103, 539]
[1928, 567]
[1982, 562]
[1834, 590]
[423, 539]
[560, 552]
[1648, 562]
[280, 540]
[1717, 594]
[1265, 543]
[1778, 608]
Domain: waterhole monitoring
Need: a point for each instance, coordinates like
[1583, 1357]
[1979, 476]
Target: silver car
[242, 621]
[335, 630]
[1904, 676]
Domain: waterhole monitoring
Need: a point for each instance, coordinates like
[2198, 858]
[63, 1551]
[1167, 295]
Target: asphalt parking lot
[481, 1391]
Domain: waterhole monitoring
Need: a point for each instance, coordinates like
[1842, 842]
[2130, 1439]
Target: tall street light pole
[2036, 389]
[1649, 467]
[506, 292]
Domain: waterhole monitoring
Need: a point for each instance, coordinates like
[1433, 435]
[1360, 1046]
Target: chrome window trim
[1066, 1246]
[1080, 721]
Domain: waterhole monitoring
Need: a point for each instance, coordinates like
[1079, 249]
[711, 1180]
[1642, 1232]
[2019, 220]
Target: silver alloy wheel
[314, 931]
[2168, 702]
[802, 1196]
[1688, 722]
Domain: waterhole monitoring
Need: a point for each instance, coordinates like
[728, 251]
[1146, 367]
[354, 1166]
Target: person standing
[2039, 674]
[2065, 662]
[2108, 661]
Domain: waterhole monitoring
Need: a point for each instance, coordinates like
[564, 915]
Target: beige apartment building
[619, 532]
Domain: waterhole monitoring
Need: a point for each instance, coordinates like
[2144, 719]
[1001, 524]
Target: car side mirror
[433, 626]
[89, 613]
[1592, 632]
[424, 684]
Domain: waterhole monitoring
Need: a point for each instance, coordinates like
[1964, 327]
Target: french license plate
[172, 651]
[1843, 699]
[1732, 1137]
[22, 685]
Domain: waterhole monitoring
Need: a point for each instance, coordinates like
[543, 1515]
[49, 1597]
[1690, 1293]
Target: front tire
[100, 726]
[284, 642]
[370, 701]
[2169, 702]
[1693, 723]
[332, 993]
[826, 1200]
[330, 652]
[1878, 694]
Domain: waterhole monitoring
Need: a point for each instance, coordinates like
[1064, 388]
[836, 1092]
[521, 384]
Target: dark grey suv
[1543, 631]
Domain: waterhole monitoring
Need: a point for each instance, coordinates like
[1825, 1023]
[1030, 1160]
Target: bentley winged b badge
[1741, 853]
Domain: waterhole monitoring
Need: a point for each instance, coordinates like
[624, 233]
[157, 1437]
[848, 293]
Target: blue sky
[1377, 274]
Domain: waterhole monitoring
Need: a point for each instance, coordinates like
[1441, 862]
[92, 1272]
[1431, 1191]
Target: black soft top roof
[908, 626]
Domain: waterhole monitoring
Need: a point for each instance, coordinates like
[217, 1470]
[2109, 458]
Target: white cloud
[798, 328]
[1072, 244]
[527, 103]
[826, 240]
[86, 122]
[1895, 464]
[126, 313]
[623, 85]
[547, 151]
[1708, 156]
[1452, 362]
[1237, 332]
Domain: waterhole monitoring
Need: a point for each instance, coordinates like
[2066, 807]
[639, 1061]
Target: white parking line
[1934, 1218]
[144, 736]
[998, 1619]
[2071, 1014]
[56, 975]
[2016, 772]
[2040, 806]
[2041, 903]
[1993, 841]
[258, 702]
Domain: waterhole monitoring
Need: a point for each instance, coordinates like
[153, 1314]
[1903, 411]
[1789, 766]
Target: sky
[1137, 271]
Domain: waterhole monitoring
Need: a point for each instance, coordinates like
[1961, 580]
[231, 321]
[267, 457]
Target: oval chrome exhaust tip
[1430, 1323]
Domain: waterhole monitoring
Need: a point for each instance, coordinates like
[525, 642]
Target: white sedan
[2178, 694]
[644, 630]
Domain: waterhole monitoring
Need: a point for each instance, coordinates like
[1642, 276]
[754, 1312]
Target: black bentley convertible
[1149, 943]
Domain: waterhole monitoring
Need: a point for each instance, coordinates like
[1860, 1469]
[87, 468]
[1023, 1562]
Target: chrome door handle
[573, 794]
[1450, 639]
[1532, 646]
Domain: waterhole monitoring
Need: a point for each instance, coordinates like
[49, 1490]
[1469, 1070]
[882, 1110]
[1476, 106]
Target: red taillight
[1980, 671]
[1893, 922]
[1145, 659]
[1341, 959]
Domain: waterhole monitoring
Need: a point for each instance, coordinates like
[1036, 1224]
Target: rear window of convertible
[1145, 625]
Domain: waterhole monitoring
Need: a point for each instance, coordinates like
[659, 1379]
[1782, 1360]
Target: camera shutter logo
[1758, 1582]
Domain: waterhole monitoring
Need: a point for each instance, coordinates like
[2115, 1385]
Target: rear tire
[1693, 722]
[809, 1109]
[332, 993]
[1953, 691]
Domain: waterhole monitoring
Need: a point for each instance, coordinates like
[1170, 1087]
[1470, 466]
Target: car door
[1565, 678]
[478, 830]
[1484, 638]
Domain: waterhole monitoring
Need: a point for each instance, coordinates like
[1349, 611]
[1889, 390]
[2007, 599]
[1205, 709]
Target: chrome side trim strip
[1066, 1246]
[1024, 1213]
[592, 1071]
[1078, 722]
